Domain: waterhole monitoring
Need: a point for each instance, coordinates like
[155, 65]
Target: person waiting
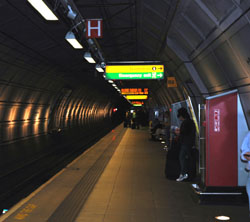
[156, 129]
[186, 142]
[245, 155]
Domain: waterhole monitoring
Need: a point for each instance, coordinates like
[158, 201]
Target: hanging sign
[216, 120]
[134, 91]
[137, 102]
[93, 28]
[171, 82]
[131, 72]
[136, 97]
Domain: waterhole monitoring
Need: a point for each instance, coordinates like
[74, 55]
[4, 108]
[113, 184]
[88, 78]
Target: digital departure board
[134, 91]
[137, 102]
[134, 72]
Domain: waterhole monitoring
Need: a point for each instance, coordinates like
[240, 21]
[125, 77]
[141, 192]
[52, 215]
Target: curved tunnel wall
[33, 104]
[28, 111]
[44, 84]
[214, 49]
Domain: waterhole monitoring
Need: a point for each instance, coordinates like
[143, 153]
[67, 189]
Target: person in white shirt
[245, 155]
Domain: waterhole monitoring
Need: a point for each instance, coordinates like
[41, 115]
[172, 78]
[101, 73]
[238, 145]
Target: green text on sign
[131, 72]
[131, 76]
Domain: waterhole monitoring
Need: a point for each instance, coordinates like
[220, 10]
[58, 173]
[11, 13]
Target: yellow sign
[131, 72]
[134, 91]
[133, 68]
[136, 97]
[171, 82]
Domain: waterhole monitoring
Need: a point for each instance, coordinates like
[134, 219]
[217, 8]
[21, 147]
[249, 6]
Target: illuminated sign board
[94, 28]
[137, 102]
[134, 91]
[136, 97]
[131, 72]
[171, 82]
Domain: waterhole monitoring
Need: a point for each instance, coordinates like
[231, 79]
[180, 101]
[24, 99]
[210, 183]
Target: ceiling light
[103, 65]
[70, 37]
[90, 41]
[110, 81]
[71, 14]
[99, 68]
[43, 9]
[4, 211]
[89, 58]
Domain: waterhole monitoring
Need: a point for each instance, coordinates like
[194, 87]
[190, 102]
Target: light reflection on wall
[78, 112]
[27, 113]
[12, 114]
[67, 114]
[24, 120]
[26, 124]
[81, 114]
[36, 120]
[11, 126]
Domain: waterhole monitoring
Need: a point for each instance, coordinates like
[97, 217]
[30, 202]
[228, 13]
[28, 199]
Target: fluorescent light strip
[75, 43]
[89, 58]
[70, 37]
[43, 9]
[99, 68]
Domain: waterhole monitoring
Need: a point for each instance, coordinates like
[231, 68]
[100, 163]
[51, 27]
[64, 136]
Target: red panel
[94, 28]
[221, 141]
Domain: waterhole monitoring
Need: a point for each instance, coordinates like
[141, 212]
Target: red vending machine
[221, 141]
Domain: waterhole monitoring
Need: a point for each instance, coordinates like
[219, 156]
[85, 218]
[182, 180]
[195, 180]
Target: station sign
[94, 28]
[136, 97]
[137, 102]
[171, 82]
[134, 91]
[217, 120]
[134, 72]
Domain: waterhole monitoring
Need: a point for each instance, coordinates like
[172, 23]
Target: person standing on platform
[245, 155]
[186, 141]
[167, 126]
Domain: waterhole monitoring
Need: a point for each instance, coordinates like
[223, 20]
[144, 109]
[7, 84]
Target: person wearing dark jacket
[186, 141]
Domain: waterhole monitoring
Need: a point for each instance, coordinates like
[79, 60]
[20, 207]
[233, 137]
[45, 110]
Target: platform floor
[119, 179]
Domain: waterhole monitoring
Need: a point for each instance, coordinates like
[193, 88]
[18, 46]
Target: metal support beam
[119, 12]
[196, 78]
[207, 11]
[82, 5]
[189, 66]
[188, 20]
[116, 37]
